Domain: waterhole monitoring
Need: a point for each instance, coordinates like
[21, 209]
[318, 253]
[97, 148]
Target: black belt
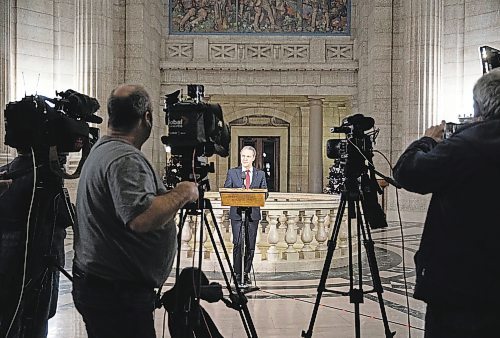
[100, 282]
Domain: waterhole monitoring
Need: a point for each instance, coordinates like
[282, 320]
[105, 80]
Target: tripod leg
[243, 244]
[356, 295]
[182, 220]
[326, 267]
[372, 262]
[239, 298]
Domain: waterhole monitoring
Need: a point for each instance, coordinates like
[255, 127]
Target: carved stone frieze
[339, 52]
[296, 53]
[259, 52]
[260, 120]
[223, 52]
[183, 51]
[252, 54]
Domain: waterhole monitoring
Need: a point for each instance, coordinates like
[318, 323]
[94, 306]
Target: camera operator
[457, 262]
[47, 233]
[125, 236]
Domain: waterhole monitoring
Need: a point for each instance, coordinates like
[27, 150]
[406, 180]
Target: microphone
[243, 177]
[363, 122]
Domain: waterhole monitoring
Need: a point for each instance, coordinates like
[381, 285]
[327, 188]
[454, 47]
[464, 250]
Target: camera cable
[335, 308]
[397, 186]
[26, 245]
[402, 248]
[400, 227]
[199, 205]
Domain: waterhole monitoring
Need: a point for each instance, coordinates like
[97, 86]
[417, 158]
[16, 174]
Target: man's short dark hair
[125, 111]
[486, 94]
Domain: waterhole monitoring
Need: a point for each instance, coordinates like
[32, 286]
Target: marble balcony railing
[292, 236]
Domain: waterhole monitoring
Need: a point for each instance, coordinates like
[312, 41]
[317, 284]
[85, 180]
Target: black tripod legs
[356, 295]
[326, 267]
[374, 270]
[237, 300]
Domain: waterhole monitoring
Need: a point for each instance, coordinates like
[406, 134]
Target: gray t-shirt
[117, 184]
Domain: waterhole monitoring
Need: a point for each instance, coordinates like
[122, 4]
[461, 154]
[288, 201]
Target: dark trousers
[113, 309]
[453, 322]
[251, 236]
[39, 302]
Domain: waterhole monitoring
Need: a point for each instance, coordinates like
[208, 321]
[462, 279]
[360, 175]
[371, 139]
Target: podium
[244, 200]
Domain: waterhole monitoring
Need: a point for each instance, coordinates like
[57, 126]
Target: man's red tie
[247, 179]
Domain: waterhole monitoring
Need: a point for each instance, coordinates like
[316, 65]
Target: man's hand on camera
[189, 190]
[436, 132]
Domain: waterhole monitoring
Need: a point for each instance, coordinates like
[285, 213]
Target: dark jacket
[458, 262]
[234, 180]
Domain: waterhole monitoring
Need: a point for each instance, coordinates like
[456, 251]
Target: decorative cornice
[260, 120]
[350, 66]
[306, 55]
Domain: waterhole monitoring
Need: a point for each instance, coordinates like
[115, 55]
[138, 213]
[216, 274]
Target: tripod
[44, 252]
[353, 196]
[237, 300]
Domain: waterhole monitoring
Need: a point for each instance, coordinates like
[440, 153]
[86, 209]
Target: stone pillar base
[307, 255]
[273, 256]
[291, 256]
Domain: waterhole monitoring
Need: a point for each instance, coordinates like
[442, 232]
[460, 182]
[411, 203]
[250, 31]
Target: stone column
[143, 38]
[94, 51]
[5, 73]
[423, 53]
[315, 164]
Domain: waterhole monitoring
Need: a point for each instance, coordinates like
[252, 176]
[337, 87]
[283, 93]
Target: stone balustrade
[293, 234]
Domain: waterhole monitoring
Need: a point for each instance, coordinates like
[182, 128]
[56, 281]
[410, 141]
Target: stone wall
[37, 54]
[468, 25]
[4, 71]
[435, 64]
[90, 46]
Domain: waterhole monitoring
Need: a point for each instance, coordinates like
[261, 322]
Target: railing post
[272, 237]
[290, 253]
[321, 235]
[307, 237]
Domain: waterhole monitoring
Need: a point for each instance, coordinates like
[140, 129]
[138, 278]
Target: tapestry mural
[260, 16]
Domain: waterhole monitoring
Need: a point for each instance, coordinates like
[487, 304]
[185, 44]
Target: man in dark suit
[249, 177]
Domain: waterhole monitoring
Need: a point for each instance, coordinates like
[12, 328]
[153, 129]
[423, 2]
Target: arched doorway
[270, 136]
[267, 158]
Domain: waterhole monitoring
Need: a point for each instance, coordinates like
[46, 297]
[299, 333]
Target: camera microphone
[361, 121]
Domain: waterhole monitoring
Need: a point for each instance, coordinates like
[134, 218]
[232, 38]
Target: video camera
[52, 126]
[196, 130]
[37, 121]
[352, 161]
[350, 153]
[490, 58]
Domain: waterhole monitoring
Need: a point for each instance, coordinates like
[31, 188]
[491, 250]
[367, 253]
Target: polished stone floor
[284, 304]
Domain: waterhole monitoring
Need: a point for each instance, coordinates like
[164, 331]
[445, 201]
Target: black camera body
[350, 173]
[351, 152]
[196, 130]
[490, 58]
[39, 122]
[451, 128]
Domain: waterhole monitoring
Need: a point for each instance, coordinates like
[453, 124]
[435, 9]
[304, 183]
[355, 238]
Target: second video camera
[196, 130]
